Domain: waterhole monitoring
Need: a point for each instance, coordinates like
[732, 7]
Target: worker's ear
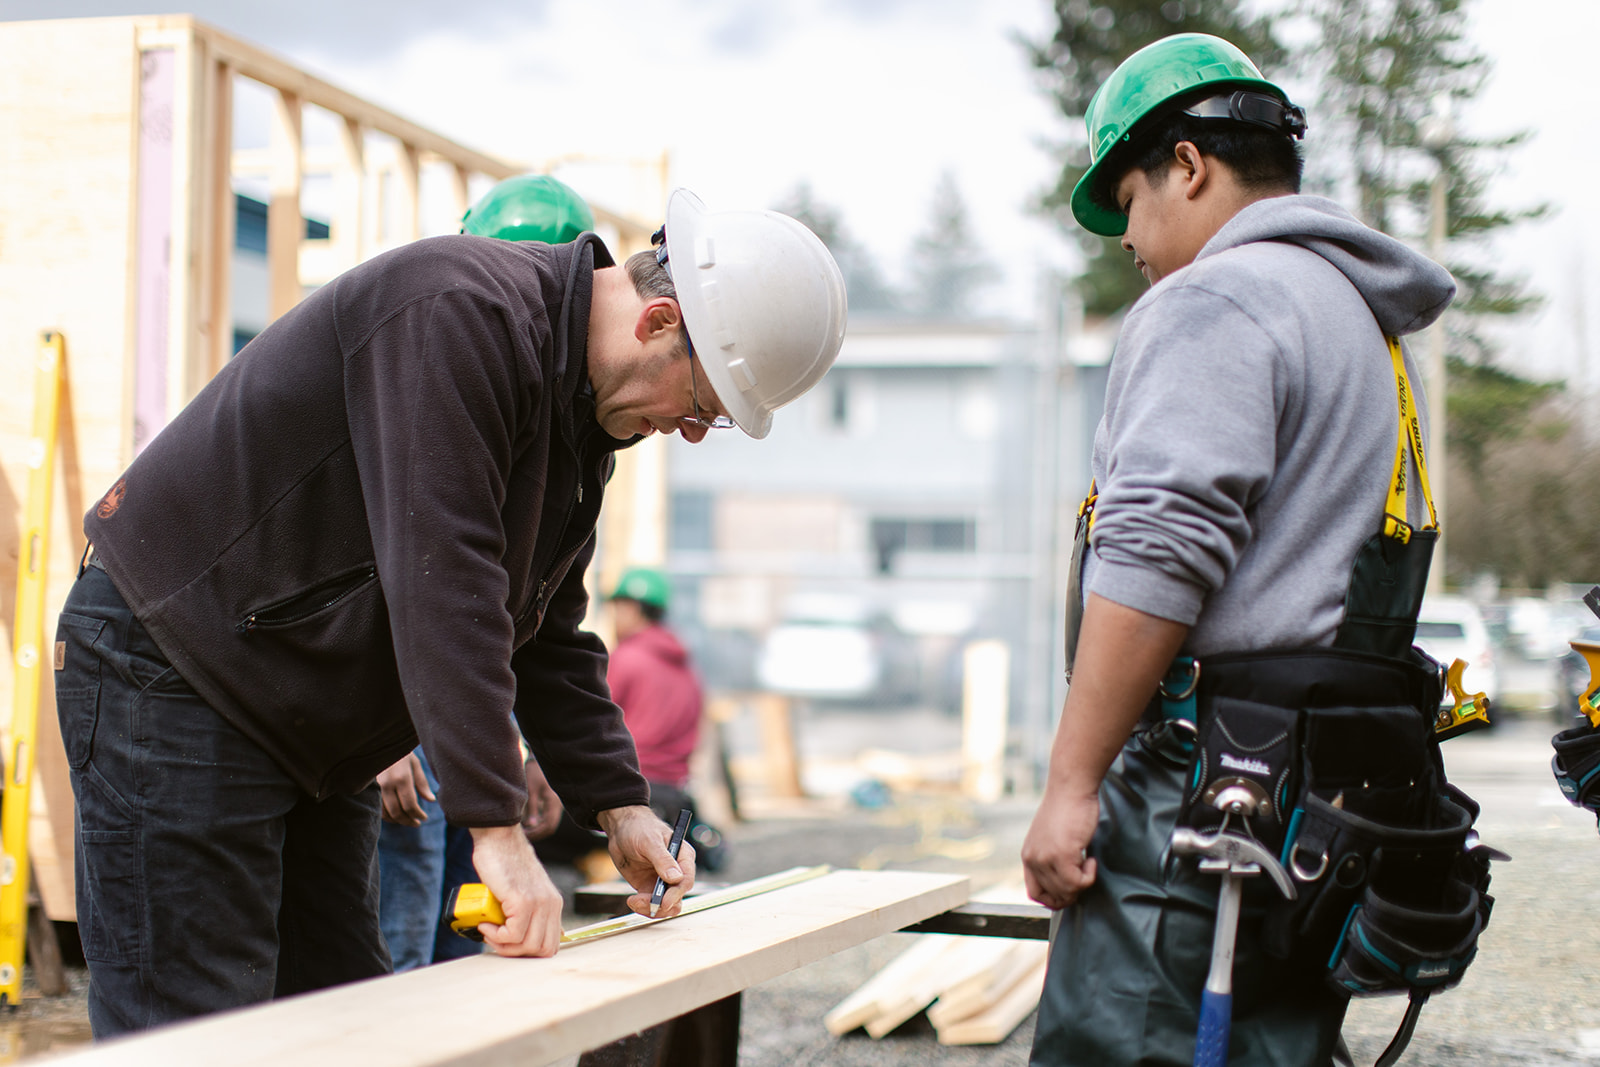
[1194, 170]
[660, 315]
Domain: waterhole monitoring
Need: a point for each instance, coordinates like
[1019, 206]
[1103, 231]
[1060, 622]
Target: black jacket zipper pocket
[302, 606]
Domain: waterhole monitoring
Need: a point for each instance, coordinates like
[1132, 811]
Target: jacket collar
[577, 262]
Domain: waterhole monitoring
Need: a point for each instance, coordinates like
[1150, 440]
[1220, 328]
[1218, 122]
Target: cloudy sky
[868, 101]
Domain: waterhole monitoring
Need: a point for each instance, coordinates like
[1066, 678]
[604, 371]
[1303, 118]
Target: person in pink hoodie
[655, 684]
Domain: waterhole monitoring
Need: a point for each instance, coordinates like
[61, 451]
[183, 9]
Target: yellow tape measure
[472, 904]
[742, 891]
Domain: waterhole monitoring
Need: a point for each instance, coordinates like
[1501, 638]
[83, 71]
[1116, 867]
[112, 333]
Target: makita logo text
[1248, 766]
[1436, 971]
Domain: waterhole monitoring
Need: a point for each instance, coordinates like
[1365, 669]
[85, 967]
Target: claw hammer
[1235, 858]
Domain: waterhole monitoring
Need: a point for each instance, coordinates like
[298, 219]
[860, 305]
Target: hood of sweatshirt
[658, 641]
[1405, 290]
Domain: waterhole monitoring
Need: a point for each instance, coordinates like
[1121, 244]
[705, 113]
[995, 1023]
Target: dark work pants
[206, 879]
[1128, 961]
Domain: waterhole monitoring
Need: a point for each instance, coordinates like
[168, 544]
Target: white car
[823, 649]
[1451, 628]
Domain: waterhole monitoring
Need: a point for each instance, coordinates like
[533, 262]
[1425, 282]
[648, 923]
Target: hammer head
[1244, 856]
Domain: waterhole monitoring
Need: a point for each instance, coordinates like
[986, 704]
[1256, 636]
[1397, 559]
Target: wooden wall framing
[70, 260]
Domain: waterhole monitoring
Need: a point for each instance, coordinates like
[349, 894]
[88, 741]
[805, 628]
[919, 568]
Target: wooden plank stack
[975, 990]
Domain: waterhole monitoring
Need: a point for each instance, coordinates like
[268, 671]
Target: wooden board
[966, 957]
[888, 985]
[996, 1024]
[491, 1011]
[989, 986]
[972, 973]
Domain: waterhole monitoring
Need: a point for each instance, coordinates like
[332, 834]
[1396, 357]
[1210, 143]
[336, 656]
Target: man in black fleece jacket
[370, 528]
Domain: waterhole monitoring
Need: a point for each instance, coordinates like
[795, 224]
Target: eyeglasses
[715, 422]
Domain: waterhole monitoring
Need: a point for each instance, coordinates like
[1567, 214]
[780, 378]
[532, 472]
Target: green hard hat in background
[644, 584]
[529, 207]
[1171, 67]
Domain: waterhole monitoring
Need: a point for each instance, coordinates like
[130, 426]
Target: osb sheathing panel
[68, 131]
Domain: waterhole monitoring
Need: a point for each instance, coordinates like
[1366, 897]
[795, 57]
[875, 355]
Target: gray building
[920, 498]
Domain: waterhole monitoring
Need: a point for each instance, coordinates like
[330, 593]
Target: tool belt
[1576, 766]
[1339, 749]
[1576, 763]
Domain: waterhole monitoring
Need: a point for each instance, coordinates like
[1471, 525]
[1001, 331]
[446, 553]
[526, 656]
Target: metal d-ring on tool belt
[1329, 758]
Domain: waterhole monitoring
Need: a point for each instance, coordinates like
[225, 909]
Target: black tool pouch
[1382, 905]
[1256, 745]
[1394, 943]
[1386, 586]
[1576, 766]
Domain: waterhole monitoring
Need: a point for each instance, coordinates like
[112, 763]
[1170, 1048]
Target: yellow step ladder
[27, 642]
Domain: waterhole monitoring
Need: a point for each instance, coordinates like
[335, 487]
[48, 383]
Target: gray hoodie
[1250, 426]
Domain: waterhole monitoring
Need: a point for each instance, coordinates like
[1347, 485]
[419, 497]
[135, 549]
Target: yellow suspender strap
[1087, 506]
[1394, 519]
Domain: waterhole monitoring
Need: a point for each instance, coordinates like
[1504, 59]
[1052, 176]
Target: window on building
[893, 536]
[691, 527]
[839, 405]
[250, 225]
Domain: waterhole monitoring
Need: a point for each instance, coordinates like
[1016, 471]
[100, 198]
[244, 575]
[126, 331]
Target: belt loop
[83, 563]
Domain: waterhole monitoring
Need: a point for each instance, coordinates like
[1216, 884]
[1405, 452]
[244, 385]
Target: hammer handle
[1216, 1002]
[1216, 1018]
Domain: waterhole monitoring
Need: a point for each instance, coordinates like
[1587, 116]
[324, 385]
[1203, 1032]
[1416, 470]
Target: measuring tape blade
[742, 891]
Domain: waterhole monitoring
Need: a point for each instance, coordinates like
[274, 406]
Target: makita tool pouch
[1338, 746]
[1241, 742]
[1413, 899]
[1416, 922]
[1384, 907]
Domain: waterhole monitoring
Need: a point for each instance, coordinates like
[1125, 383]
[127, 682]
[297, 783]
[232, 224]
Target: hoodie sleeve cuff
[1147, 590]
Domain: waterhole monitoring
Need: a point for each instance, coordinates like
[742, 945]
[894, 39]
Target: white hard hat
[763, 303]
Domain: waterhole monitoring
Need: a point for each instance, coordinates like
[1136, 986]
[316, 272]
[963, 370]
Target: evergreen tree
[864, 283]
[1391, 73]
[948, 266]
[1090, 39]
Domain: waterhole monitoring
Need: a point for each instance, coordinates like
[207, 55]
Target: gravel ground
[1523, 1003]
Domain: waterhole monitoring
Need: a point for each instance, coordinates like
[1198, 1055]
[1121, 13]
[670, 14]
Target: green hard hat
[1171, 67]
[644, 584]
[529, 207]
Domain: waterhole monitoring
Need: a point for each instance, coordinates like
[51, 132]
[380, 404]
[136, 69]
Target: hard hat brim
[1090, 215]
[684, 214]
